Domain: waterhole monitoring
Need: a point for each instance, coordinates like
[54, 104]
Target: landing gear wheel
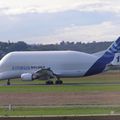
[58, 82]
[8, 82]
[49, 82]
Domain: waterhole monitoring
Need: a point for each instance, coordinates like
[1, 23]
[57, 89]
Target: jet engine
[27, 77]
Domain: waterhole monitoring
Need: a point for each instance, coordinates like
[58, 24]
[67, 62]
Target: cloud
[51, 21]
[27, 26]
[14, 7]
[105, 31]
[102, 6]
[25, 6]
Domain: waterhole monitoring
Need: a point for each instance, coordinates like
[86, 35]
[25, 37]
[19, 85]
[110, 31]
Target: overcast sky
[52, 21]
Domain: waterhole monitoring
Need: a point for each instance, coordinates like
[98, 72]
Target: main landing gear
[8, 82]
[49, 82]
[57, 82]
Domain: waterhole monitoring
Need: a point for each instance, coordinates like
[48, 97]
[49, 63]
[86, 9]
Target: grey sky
[52, 21]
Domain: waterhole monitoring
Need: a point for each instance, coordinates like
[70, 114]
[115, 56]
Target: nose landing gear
[8, 82]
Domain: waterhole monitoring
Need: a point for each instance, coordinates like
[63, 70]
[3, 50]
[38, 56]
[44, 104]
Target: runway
[66, 84]
[89, 117]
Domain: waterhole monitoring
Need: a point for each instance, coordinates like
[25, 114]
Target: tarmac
[68, 84]
[104, 117]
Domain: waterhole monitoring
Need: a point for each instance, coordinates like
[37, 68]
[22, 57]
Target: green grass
[84, 88]
[106, 78]
[58, 111]
[103, 78]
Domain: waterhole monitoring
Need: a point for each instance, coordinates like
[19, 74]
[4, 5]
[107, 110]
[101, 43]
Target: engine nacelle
[27, 77]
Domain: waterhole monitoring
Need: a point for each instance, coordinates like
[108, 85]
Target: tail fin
[114, 48]
[100, 65]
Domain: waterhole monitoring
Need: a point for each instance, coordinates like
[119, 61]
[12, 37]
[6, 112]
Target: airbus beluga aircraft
[45, 65]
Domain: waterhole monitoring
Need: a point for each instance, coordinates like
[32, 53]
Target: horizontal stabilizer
[116, 60]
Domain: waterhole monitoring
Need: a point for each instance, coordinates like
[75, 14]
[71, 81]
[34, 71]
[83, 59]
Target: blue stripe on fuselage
[100, 64]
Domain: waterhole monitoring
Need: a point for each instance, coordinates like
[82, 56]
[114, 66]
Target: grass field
[98, 85]
[59, 111]
[84, 88]
[111, 77]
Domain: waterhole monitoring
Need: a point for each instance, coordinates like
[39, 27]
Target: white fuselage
[62, 63]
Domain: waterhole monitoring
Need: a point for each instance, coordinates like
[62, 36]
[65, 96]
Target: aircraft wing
[42, 73]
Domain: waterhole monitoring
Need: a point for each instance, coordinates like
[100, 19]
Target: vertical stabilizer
[114, 48]
[100, 65]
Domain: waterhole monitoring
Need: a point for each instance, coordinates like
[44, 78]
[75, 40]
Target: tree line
[6, 47]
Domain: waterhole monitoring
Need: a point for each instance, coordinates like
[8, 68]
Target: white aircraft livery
[45, 65]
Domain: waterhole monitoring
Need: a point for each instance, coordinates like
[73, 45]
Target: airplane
[45, 65]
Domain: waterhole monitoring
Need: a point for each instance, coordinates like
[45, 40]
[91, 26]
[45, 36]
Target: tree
[19, 46]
